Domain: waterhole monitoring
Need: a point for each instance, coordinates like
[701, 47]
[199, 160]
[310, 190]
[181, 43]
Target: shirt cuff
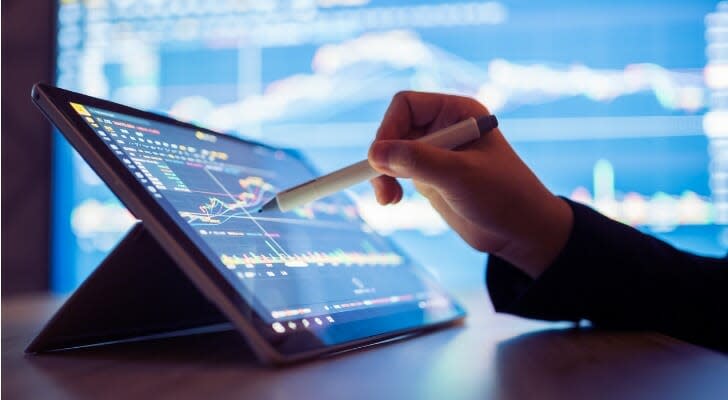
[558, 294]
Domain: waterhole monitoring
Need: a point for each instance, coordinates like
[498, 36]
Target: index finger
[407, 112]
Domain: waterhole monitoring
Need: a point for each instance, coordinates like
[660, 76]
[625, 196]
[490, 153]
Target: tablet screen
[312, 267]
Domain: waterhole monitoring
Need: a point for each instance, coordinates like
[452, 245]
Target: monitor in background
[613, 103]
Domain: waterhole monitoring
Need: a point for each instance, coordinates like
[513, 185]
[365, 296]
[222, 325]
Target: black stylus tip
[270, 205]
[487, 123]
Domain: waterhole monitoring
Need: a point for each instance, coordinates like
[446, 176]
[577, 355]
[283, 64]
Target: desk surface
[491, 356]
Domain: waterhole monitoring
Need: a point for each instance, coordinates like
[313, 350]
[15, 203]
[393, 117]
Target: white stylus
[448, 138]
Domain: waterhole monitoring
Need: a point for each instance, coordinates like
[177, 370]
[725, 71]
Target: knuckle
[401, 95]
[464, 107]
[400, 99]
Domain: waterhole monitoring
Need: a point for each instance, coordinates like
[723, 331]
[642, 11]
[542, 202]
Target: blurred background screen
[617, 104]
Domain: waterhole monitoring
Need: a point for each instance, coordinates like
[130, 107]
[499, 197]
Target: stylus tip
[269, 206]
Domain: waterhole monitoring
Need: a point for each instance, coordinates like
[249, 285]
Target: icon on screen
[80, 109]
[278, 327]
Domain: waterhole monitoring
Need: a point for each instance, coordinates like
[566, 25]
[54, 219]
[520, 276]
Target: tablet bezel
[55, 104]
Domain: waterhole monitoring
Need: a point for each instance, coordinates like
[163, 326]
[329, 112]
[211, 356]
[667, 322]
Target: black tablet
[298, 284]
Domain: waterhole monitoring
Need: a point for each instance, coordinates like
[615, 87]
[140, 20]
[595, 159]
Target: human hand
[484, 191]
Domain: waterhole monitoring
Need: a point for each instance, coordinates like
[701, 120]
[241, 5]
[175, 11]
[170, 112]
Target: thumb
[416, 160]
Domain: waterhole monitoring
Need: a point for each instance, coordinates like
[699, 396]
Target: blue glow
[639, 85]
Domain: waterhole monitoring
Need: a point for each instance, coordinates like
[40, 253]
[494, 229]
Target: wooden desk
[492, 356]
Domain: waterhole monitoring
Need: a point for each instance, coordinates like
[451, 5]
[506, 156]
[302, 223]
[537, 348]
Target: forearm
[614, 275]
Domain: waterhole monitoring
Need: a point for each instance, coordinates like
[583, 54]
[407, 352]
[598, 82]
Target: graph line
[192, 216]
[244, 210]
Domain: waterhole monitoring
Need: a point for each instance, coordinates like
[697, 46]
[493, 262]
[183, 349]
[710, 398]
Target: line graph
[254, 191]
[232, 199]
[245, 211]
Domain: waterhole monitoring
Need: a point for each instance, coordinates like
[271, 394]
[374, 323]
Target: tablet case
[136, 292]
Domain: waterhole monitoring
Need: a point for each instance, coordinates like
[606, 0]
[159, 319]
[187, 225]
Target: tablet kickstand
[136, 291]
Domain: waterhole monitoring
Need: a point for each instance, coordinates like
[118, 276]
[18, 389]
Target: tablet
[299, 284]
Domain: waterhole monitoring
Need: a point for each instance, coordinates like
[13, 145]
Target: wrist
[535, 250]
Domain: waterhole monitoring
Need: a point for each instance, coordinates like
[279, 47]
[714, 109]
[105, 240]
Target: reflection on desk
[490, 356]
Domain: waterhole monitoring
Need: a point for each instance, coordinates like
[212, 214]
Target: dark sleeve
[615, 276]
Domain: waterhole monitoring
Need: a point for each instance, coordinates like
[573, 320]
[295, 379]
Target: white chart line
[246, 212]
[279, 220]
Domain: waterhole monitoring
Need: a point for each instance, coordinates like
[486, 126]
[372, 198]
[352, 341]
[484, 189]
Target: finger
[420, 161]
[386, 189]
[409, 111]
[394, 188]
[400, 193]
[422, 112]
[378, 192]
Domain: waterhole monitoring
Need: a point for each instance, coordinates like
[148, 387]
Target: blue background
[161, 57]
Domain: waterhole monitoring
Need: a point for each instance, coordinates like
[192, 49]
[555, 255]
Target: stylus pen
[448, 138]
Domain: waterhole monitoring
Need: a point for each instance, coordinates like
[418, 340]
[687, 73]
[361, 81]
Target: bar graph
[335, 257]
